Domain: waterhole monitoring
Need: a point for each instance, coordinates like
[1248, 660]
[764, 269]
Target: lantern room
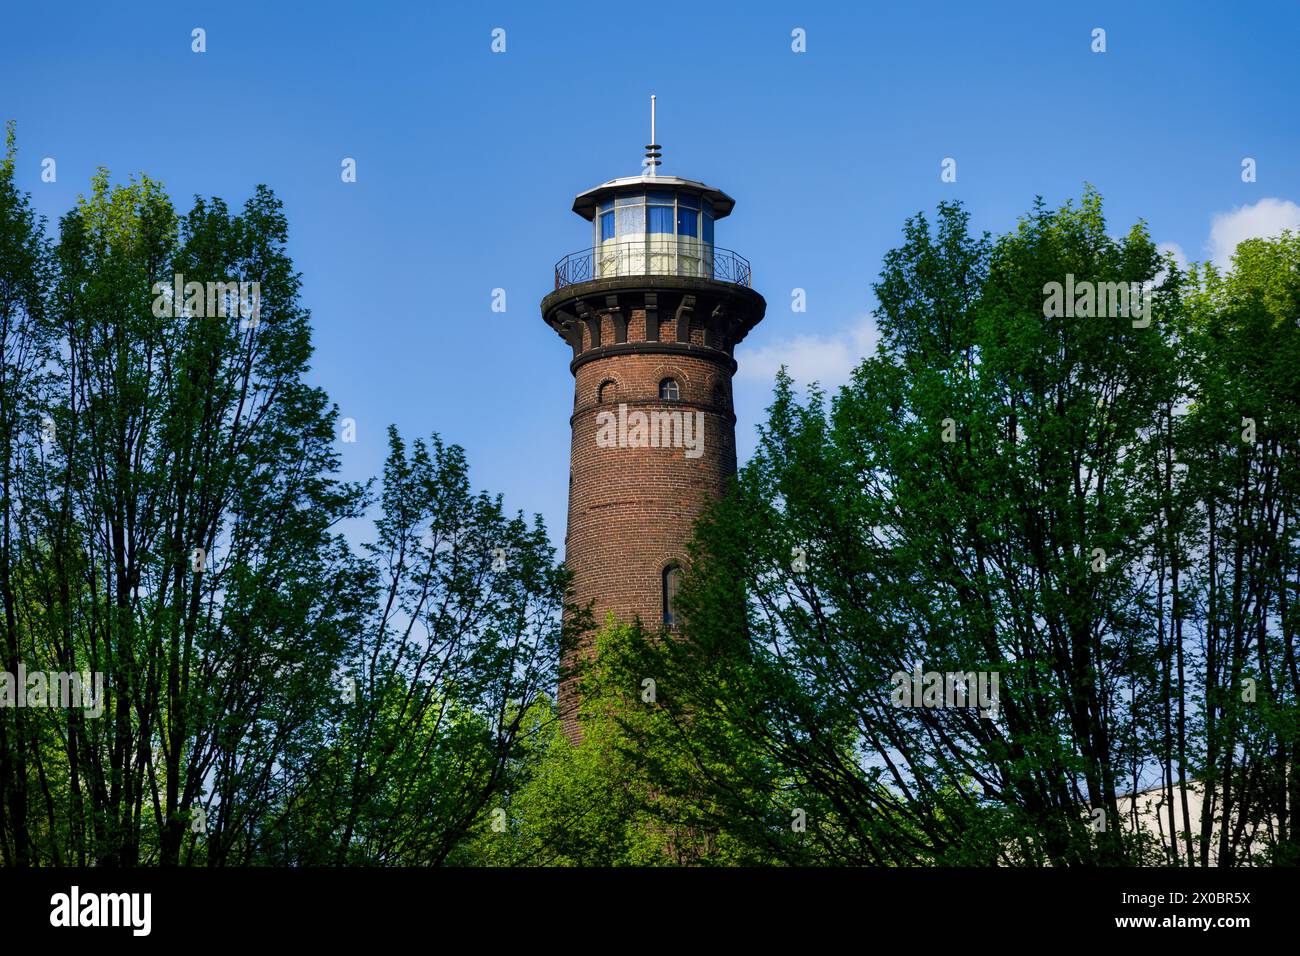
[653, 225]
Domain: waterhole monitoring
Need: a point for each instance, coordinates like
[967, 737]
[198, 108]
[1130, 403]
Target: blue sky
[468, 161]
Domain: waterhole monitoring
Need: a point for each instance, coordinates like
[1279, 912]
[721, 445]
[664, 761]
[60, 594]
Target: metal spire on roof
[652, 153]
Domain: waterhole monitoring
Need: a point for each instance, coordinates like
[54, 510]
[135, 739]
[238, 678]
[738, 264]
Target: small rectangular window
[689, 200]
[661, 199]
[631, 199]
[708, 228]
[607, 226]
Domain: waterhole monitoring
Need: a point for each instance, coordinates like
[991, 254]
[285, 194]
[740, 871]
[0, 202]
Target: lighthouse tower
[652, 311]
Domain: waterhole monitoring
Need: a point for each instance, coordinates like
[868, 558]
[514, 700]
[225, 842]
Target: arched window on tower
[607, 392]
[668, 390]
[672, 579]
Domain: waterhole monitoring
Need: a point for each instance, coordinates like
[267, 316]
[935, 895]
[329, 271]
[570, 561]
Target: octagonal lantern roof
[585, 204]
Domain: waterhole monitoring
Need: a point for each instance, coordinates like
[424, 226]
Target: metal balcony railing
[653, 257]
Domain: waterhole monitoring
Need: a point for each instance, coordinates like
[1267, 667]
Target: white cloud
[829, 360]
[1180, 257]
[1262, 220]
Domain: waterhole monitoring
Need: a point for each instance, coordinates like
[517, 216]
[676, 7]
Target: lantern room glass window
[688, 222]
[605, 217]
[657, 213]
[660, 219]
[631, 220]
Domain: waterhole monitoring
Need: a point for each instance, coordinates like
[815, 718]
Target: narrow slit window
[672, 579]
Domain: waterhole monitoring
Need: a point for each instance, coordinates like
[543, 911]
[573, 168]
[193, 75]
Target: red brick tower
[653, 312]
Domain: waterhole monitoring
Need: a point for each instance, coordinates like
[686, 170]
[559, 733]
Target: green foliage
[451, 670]
[584, 804]
[1101, 512]
[613, 798]
[1004, 490]
[170, 520]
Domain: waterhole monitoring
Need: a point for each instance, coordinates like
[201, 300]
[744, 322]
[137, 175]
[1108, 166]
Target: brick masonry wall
[632, 509]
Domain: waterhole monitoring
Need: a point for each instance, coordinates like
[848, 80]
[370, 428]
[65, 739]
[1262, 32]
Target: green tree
[25, 279]
[179, 532]
[1240, 433]
[451, 671]
[982, 497]
[621, 795]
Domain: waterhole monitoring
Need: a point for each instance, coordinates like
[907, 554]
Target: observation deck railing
[653, 257]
